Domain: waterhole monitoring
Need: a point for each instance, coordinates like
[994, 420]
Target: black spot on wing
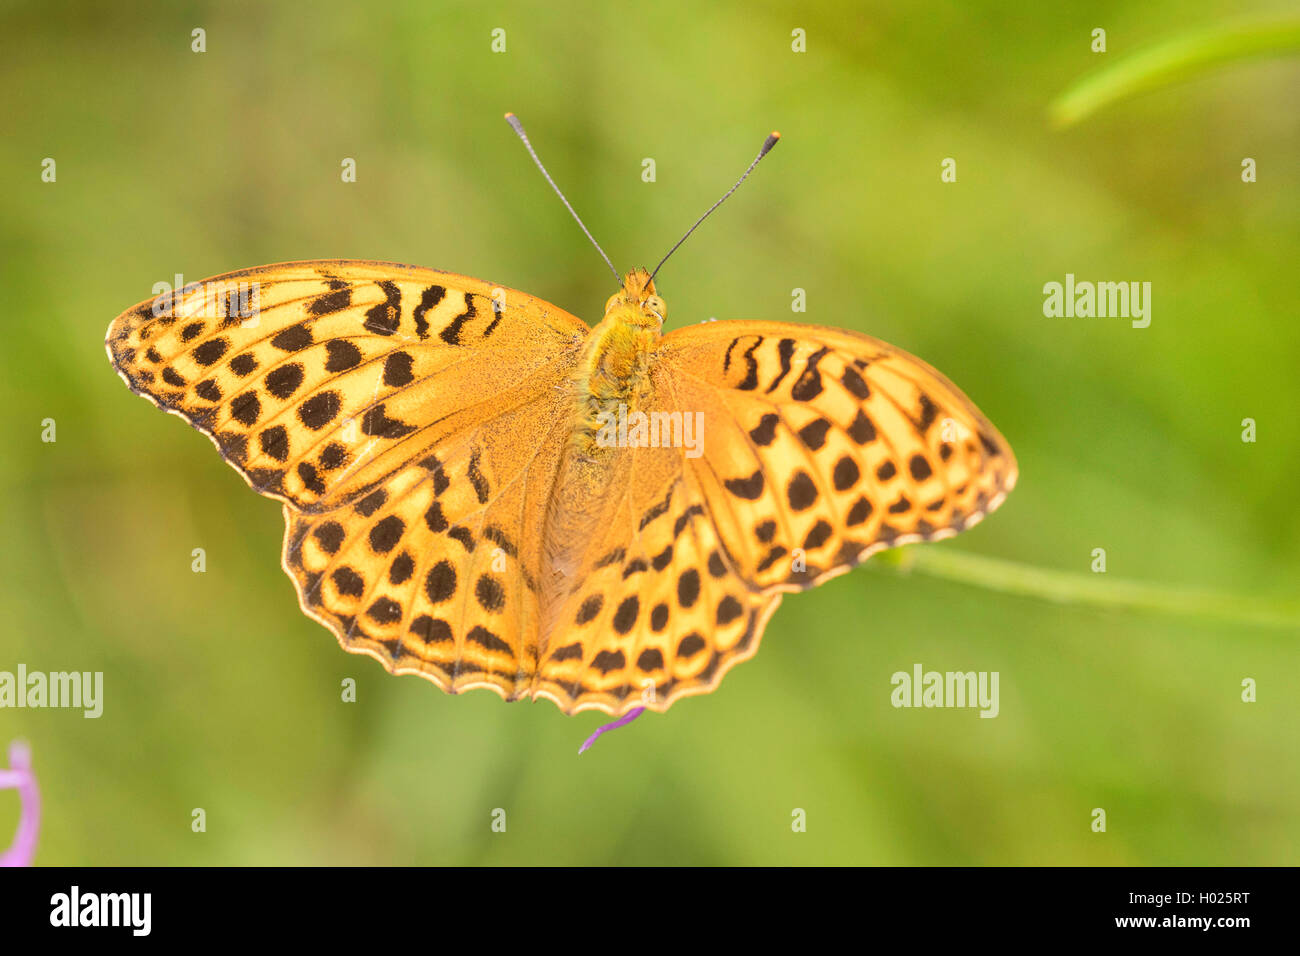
[750, 381]
[501, 540]
[625, 616]
[377, 424]
[334, 301]
[663, 558]
[402, 568]
[651, 659]
[212, 350]
[497, 311]
[749, 488]
[292, 339]
[284, 381]
[728, 610]
[319, 410]
[349, 582]
[785, 350]
[245, 408]
[929, 412]
[684, 519]
[386, 533]
[486, 639]
[818, 536]
[813, 435]
[589, 608]
[435, 519]
[765, 431]
[772, 557]
[275, 442]
[341, 355]
[384, 317]
[431, 630]
[452, 331]
[429, 298]
[854, 382]
[656, 510]
[861, 430]
[809, 384]
[397, 369]
[614, 557]
[690, 645]
[477, 478]
[801, 491]
[311, 478]
[329, 536]
[491, 595]
[846, 473]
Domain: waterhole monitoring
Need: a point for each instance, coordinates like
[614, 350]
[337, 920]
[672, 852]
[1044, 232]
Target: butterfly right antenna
[768, 143]
[513, 120]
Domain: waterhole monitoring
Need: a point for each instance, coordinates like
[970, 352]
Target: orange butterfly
[481, 489]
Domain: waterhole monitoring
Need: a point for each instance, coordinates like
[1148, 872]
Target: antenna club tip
[775, 135]
[510, 116]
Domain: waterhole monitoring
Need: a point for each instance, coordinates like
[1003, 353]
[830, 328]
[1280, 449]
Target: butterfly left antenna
[513, 120]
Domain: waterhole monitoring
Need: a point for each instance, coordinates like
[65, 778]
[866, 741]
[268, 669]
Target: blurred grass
[1169, 61]
[221, 695]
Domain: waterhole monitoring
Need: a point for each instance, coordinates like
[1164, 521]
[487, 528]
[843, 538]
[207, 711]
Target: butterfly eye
[657, 306]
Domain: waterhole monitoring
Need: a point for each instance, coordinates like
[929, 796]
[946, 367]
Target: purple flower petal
[20, 776]
[623, 721]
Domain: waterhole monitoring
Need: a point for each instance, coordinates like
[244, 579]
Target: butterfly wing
[829, 445]
[383, 405]
[653, 612]
[819, 447]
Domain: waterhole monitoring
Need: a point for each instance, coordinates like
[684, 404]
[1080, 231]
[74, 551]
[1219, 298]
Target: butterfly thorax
[613, 376]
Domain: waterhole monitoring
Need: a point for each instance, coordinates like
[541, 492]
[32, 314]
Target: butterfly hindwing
[434, 572]
[655, 612]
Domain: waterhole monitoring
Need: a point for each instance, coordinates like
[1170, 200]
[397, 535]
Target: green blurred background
[220, 694]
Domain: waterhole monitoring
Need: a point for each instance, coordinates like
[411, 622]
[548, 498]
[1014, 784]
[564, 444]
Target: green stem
[1094, 590]
[1172, 60]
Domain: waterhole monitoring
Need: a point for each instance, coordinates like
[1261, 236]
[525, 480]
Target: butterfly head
[637, 302]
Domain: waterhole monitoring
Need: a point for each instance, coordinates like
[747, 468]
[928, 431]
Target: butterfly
[481, 489]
